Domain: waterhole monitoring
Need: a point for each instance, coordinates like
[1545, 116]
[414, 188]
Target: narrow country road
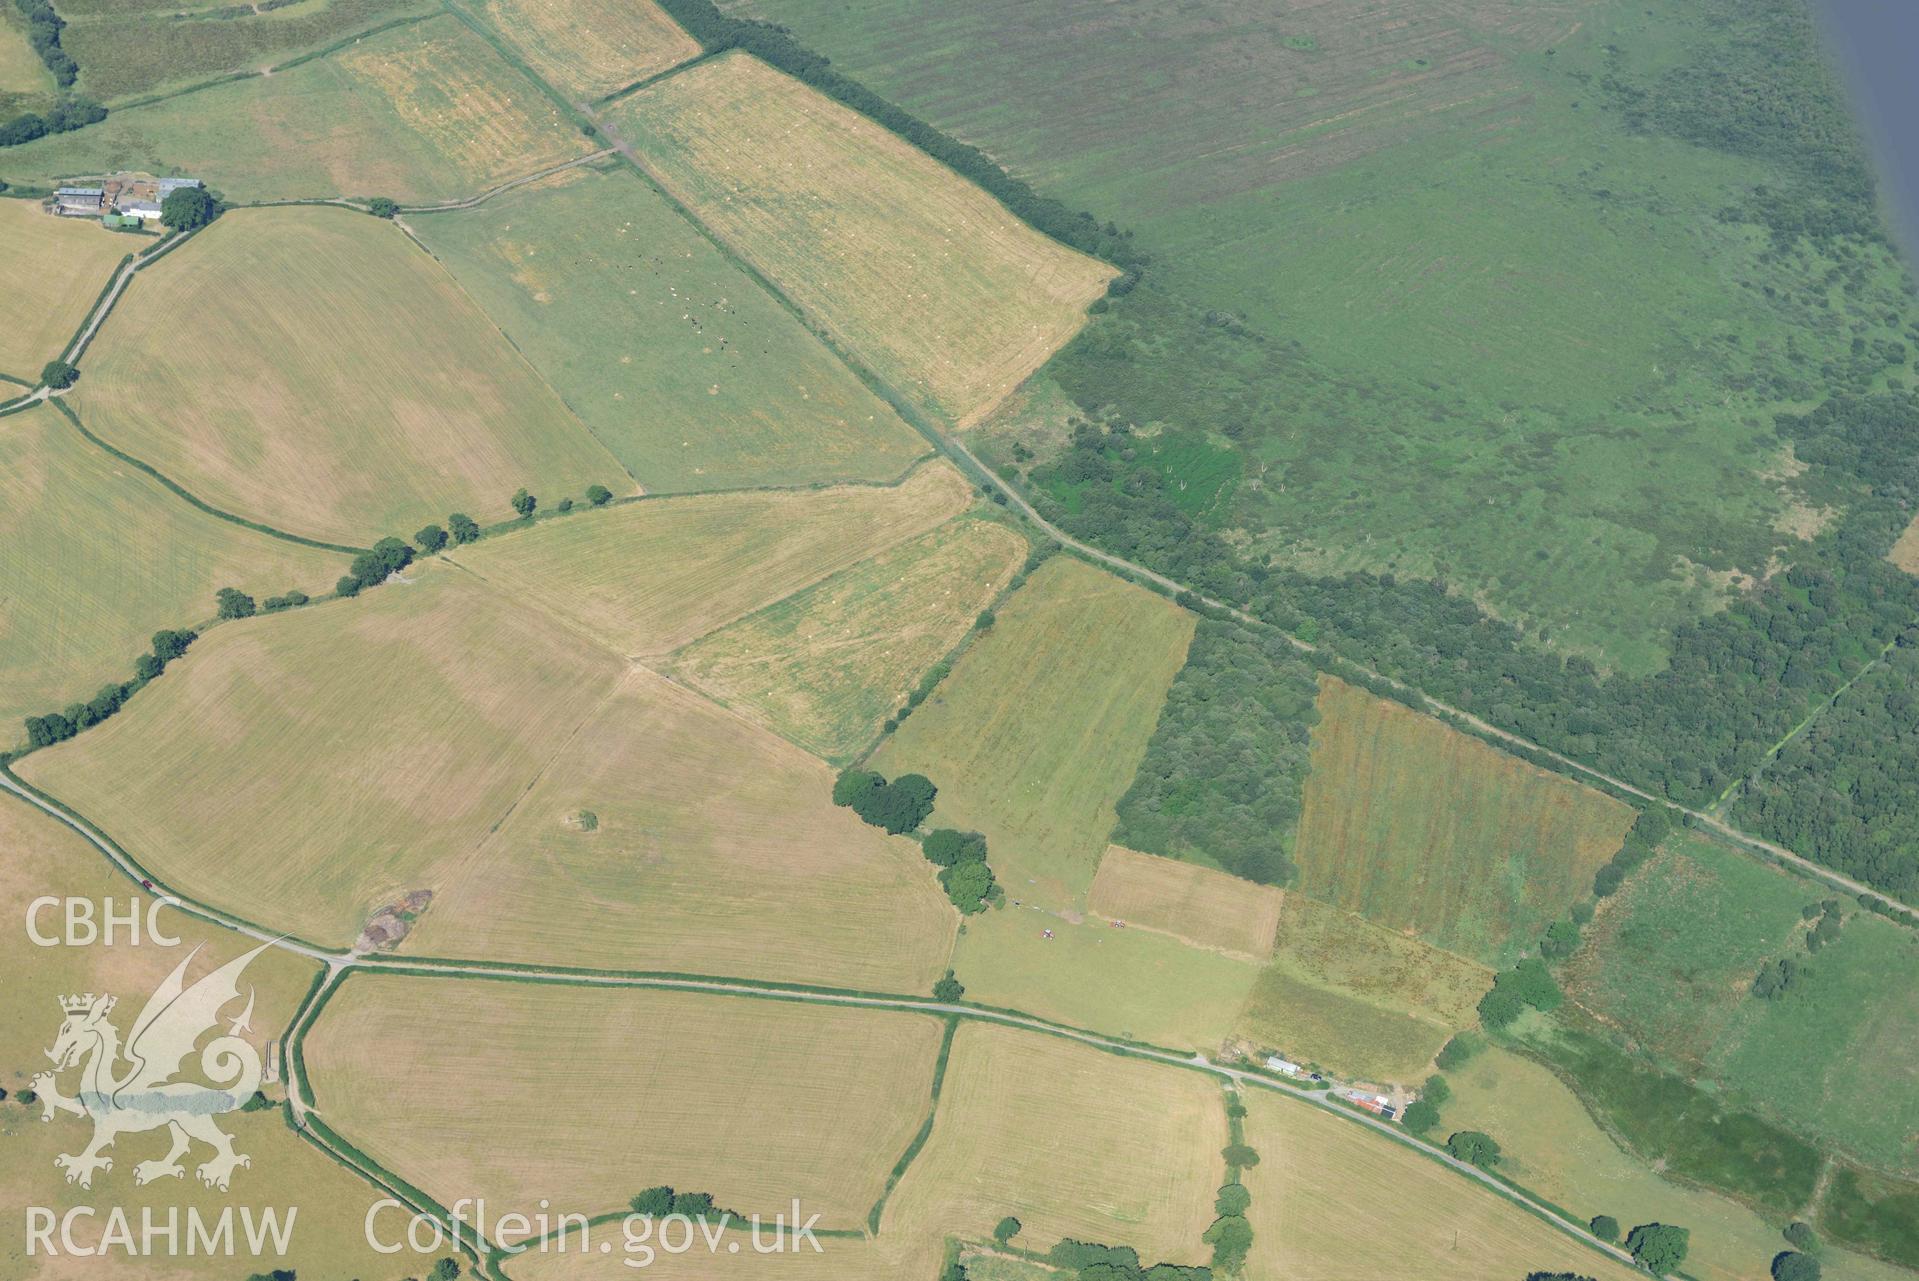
[741, 987]
[339, 963]
[1706, 817]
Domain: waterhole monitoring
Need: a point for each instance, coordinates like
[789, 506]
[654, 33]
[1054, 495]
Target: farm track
[1733, 789]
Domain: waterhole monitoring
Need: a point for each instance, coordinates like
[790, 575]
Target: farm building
[135, 195]
[79, 202]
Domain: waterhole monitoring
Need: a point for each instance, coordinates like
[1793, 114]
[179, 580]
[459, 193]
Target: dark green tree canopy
[1659, 1247]
[1474, 1148]
[1790, 1265]
[899, 806]
[233, 603]
[188, 209]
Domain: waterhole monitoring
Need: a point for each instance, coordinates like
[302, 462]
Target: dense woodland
[1738, 681]
[1222, 775]
[1848, 788]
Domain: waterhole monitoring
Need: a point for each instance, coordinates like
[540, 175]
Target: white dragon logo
[145, 1096]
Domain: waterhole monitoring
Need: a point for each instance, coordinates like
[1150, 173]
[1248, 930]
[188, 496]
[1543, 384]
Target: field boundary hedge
[182, 493]
[925, 1131]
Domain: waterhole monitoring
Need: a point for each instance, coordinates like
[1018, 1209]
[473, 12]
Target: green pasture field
[425, 112]
[826, 666]
[23, 77]
[1042, 724]
[1695, 1135]
[1873, 1213]
[333, 382]
[680, 363]
[1552, 1146]
[96, 556]
[1420, 828]
[125, 53]
[1671, 962]
[1127, 982]
[1495, 333]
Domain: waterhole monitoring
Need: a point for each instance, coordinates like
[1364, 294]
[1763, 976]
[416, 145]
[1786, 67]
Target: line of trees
[372, 567]
[43, 35]
[57, 727]
[1090, 1261]
[658, 1202]
[1231, 1232]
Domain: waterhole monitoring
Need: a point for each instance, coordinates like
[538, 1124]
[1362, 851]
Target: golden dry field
[312, 369]
[1201, 905]
[1073, 1142]
[1335, 1202]
[592, 47]
[1357, 998]
[1125, 982]
[1420, 828]
[715, 848]
[1905, 552]
[53, 269]
[44, 857]
[645, 578]
[950, 298]
[827, 665]
[523, 1092]
[95, 557]
[1041, 726]
[348, 124]
[302, 769]
[466, 105]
